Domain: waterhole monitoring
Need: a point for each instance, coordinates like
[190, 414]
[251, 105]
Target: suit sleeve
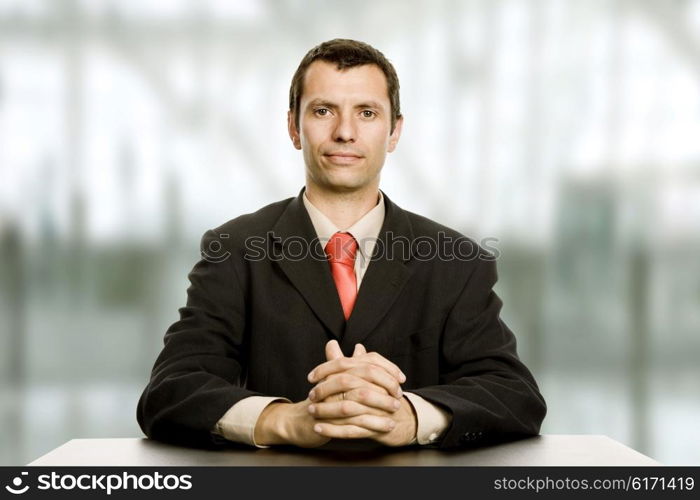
[197, 376]
[490, 393]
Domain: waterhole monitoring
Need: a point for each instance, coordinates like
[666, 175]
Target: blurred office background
[567, 129]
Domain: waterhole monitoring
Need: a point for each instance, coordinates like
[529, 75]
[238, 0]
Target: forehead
[323, 80]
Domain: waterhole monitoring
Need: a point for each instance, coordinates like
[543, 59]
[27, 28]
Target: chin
[344, 186]
[343, 182]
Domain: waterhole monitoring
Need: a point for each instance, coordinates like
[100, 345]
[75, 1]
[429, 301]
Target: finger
[378, 376]
[340, 409]
[333, 350]
[379, 360]
[334, 397]
[367, 373]
[374, 399]
[341, 383]
[359, 350]
[375, 423]
[369, 422]
[330, 367]
[342, 364]
[376, 405]
[365, 426]
[364, 374]
[343, 431]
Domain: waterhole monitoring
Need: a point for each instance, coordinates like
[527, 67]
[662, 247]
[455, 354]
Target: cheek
[316, 132]
[380, 146]
[380, 139]
[309, 143]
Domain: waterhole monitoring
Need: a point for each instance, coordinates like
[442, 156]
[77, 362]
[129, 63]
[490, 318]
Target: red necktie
[341, 249]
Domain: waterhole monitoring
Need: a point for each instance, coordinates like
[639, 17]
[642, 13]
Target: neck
[343, 209]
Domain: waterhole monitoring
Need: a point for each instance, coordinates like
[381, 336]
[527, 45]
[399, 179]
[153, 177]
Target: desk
[557, 450]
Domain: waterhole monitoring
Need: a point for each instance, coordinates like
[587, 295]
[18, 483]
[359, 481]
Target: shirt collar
[365, 230]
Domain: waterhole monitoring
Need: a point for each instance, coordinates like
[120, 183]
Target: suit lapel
[385, 277]
[310, 275]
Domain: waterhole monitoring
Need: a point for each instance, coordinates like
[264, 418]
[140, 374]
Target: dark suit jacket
[262, 304]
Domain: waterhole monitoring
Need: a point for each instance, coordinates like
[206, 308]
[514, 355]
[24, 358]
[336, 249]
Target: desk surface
[557, 450]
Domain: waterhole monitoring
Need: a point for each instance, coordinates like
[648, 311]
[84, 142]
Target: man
[336, 314]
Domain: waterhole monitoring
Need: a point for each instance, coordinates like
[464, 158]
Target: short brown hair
[346, 54]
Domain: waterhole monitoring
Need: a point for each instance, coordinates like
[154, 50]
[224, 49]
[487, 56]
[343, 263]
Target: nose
[345, 129]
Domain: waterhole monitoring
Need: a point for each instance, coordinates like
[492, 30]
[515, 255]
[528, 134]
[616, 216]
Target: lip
[342, 158]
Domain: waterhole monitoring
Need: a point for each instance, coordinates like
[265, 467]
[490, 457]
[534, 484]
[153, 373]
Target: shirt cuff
[238, 423]
[432, 420]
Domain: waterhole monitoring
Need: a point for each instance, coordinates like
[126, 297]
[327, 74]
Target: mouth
[342, 158]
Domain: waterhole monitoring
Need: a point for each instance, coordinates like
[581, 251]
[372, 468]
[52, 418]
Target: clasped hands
[356, 397]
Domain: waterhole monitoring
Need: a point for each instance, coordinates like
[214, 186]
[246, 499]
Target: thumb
[333, 350]
[359, 350]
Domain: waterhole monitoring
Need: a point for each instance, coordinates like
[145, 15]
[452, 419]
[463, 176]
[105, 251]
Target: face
[344, 126]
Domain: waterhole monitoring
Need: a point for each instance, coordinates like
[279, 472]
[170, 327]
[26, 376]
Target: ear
[394, 137]
[292, 129]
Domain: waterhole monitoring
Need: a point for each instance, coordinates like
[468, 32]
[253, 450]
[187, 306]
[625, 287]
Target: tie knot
[341, 249]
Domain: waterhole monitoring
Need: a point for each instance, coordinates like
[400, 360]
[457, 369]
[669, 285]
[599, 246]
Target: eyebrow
[329, 104]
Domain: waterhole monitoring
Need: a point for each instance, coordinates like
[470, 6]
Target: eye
[321, 111]
[367, 113]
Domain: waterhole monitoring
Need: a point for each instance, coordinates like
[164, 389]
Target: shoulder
[234, 236]
[251, 224]
[429, 232]
[446, 256]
